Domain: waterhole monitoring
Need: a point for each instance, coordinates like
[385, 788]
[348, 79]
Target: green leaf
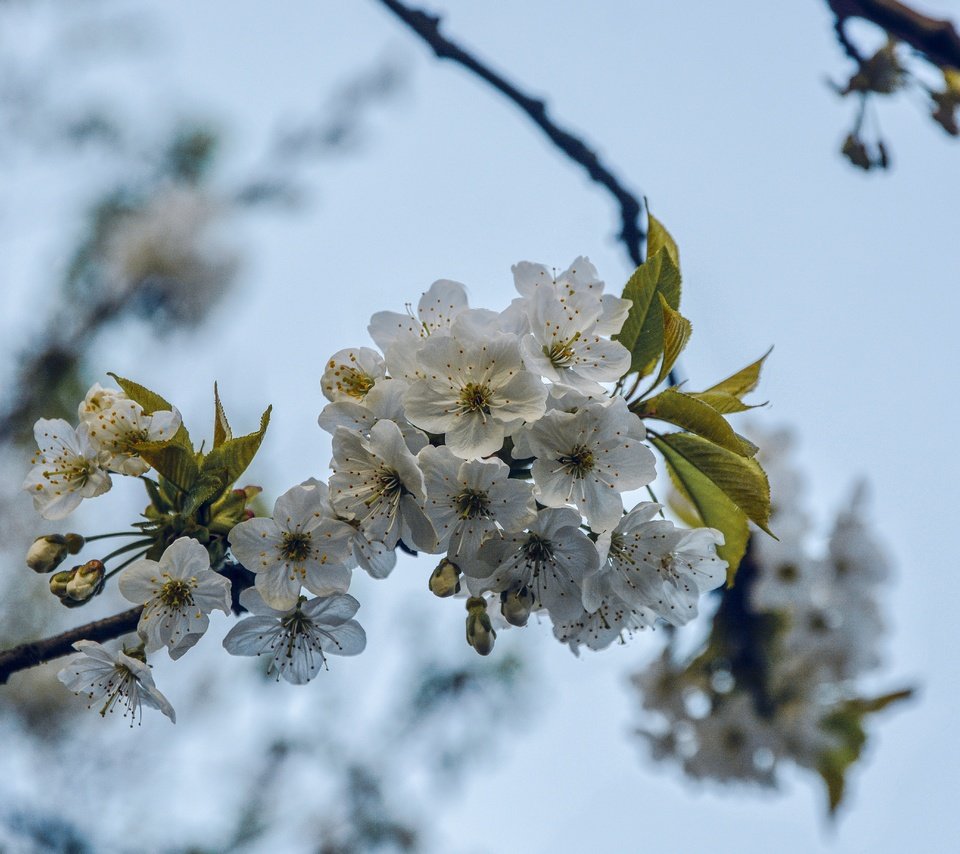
[742, 381]
[845, 724]
[676, 333]
[643, 330]
[694, 415]
[221, 427]
[740, 478]
[713, 507]
[723, 401]
[149, 400]
[231, 458]
[174, 462]
[659, 238]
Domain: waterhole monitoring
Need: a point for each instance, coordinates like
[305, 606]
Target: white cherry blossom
[384, 402]
[301, 545]
[588, 457]
[66, 468]
[652, 564]
[470, 501]
[608, 621]
[297, 640]
[97, 399]
[114, 678]
[436, 311]
[350, 374]
[564, 345]
[177, 593]
[475, 390]
[550, 561]
[117, 430]
[377, 483]
[581, 278]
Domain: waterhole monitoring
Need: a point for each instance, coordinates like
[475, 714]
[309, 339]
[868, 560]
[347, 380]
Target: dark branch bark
[427, 27]
[38, 652]
[936, 39]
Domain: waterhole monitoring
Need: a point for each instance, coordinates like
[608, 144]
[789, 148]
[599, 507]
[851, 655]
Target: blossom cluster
[776, 681]
[498, 440]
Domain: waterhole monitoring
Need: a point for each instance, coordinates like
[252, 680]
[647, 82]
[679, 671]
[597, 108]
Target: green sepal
[676, 333]
[643, 330]
[157, 500]
[659, 238]
[846, 726]
[694, 415]
[221, 427]
[209, 487]
[228, 461]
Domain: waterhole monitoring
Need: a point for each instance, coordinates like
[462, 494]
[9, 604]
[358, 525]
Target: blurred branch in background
[886, 71]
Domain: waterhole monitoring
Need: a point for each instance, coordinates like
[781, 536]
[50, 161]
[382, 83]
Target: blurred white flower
[169, 253]
[351, 373]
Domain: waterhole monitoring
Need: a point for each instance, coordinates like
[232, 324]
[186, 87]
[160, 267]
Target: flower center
[668, 569]
[295, 547]
[537, 549]
[176, 593]
[561, 353]
[472, 504]
[578, 462]
[352, 381]
[475, 397]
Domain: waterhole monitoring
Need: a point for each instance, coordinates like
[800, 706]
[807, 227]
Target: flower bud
[47, 553]
[516, 605]
[445, 579]
[480, 633]
[78, 585]
[75, 542]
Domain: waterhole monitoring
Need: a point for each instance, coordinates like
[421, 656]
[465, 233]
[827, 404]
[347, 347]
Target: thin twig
[38, 652]
[427, 27]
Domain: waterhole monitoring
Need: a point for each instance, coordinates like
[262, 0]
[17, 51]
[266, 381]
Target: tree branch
[38, 652]
[936, 39]
[427, 27]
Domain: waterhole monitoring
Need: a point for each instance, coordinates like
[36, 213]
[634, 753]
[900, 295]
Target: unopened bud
[47, 553]
[445, 579]
[480, 633]
[78, 585]
[516, 605]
